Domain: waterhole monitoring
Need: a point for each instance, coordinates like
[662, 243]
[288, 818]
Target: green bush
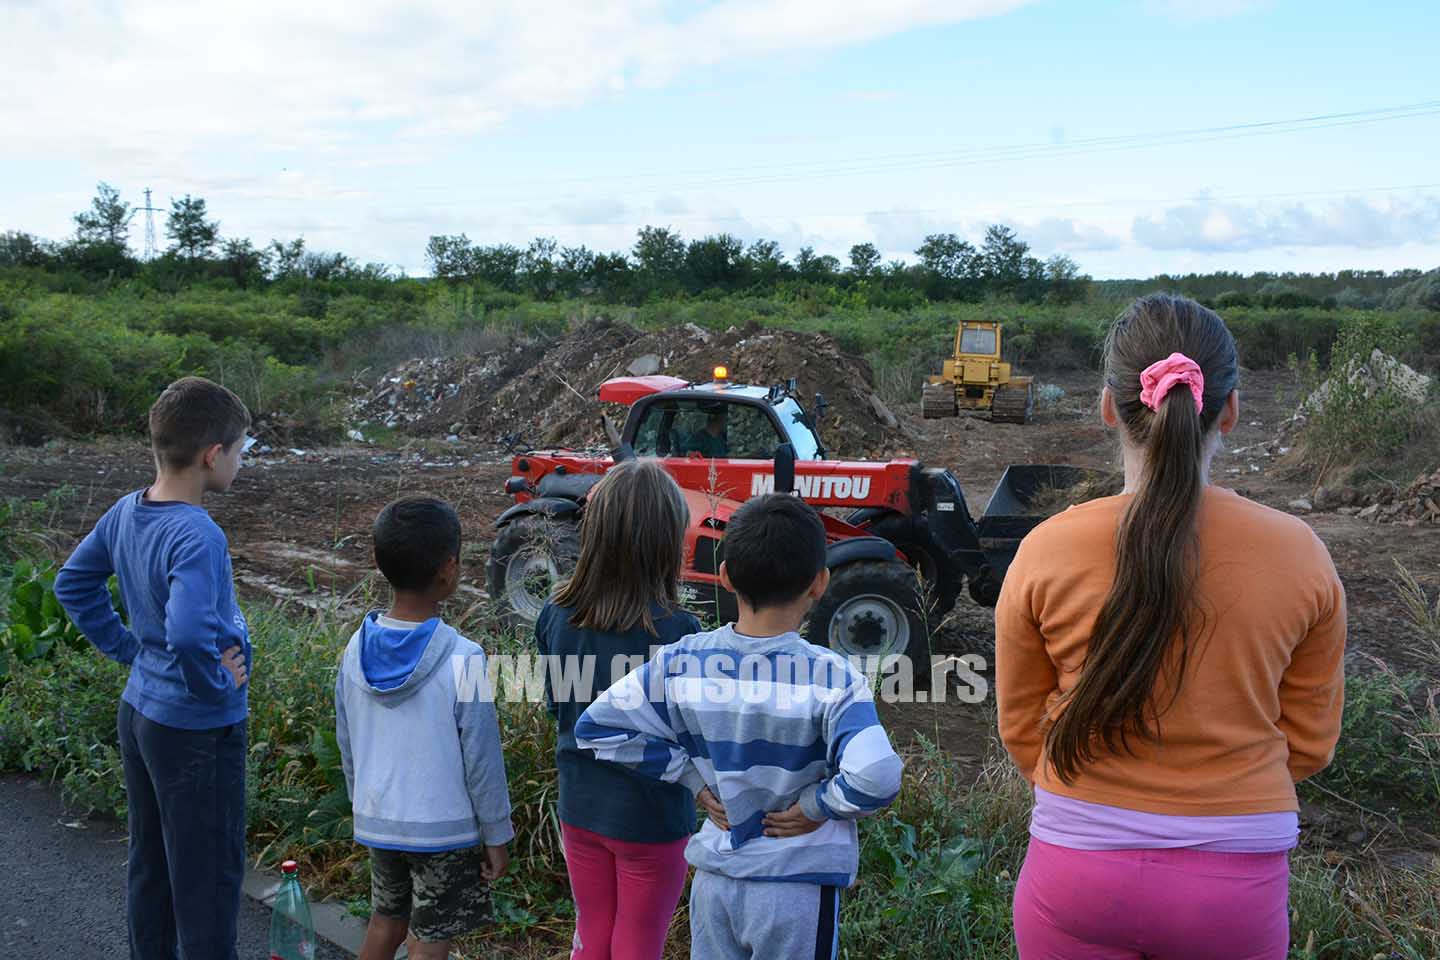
[1379, 762]
[32, 623]
[57, 716]
[26, 525]
[94, 373]
[939, 866]
[1360, 413]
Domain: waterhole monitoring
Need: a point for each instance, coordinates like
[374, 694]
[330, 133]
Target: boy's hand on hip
[233, 660]
[790, 823]
[497, 861]
[713, 808]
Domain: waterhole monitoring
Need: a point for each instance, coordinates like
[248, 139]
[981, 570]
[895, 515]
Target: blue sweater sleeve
[626, 726]
[194, 623]
[867, 770]
[82, 587]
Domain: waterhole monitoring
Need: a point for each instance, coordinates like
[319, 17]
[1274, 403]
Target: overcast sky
[1138, 136]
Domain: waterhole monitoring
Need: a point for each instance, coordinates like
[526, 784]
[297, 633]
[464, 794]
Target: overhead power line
[832, 167]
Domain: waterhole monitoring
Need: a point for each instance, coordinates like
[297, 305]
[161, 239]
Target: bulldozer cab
[977, 341]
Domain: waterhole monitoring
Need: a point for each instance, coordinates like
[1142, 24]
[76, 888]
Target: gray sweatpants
[759, 920]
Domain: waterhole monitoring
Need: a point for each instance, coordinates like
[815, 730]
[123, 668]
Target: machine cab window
[978, 340]
[802, 437]
[685, 427]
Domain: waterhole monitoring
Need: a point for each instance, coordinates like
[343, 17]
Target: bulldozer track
[937, 400]
[1013, 403]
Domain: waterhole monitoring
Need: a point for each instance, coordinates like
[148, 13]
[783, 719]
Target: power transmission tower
[150, 211]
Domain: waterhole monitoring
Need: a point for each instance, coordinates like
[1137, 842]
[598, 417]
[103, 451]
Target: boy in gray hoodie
[423, 763]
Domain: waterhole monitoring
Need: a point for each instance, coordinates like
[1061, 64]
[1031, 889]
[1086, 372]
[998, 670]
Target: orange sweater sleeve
[1025, 676]
[1312, 688]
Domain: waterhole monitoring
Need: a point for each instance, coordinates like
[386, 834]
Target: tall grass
[938, 868]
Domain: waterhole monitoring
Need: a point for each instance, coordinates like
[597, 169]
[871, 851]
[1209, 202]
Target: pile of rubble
[544, 395]
[1417, 504]
[1381, 371]
[429, 395]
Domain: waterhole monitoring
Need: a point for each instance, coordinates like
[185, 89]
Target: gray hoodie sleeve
[342, 732]
[479, 727]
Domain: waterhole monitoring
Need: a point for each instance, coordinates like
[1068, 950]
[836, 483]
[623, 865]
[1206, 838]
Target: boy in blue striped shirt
[783, 734]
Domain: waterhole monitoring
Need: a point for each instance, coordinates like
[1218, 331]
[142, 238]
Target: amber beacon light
[722, 373]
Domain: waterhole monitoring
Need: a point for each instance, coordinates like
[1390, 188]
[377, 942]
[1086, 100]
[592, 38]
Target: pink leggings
[1161, 904]
[625, 894]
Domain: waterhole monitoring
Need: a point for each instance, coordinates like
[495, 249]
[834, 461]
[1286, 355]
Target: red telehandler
[901, 539]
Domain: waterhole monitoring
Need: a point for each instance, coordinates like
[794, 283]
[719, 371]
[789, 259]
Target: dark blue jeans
[186, 791]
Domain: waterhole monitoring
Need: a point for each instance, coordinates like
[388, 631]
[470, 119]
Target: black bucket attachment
[1038, 490]
[1025, 497]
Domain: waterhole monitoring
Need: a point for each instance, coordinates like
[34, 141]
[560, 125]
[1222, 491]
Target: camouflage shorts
[441, 894]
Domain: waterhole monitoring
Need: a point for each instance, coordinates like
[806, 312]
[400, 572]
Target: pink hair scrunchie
[1158, 379]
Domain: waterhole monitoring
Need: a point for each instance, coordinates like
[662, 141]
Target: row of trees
[100, 249]
[1347, 289]
[662, 263]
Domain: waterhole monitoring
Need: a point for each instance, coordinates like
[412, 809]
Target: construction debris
[1380, 372]
[644, 366]
[423, 396]
[1419, 503]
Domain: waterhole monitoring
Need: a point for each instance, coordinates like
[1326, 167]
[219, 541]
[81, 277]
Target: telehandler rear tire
[531, 556]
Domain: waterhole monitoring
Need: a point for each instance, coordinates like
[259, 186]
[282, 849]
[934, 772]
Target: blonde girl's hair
[632, 544]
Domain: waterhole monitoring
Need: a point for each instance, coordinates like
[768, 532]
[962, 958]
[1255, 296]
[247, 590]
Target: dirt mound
[551, 401]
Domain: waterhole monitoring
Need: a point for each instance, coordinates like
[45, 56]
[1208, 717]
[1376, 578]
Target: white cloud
[1211, 225]
[897, 232]
[1065, 235]
[589, 211]
[154, 84]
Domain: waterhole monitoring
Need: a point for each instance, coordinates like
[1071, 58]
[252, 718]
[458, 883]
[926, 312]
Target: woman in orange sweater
[1168, 666]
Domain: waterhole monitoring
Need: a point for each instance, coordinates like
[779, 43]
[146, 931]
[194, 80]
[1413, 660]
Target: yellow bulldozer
[975, 379]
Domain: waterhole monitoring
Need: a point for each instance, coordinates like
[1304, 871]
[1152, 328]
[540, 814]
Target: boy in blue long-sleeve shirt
[182, 716]
[783, 733]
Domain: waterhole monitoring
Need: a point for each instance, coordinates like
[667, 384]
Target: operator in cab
[711, 441]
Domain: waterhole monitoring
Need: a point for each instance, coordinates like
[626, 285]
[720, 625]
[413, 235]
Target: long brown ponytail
[1151, 603]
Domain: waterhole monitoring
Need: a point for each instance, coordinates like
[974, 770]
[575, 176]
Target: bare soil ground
[299, 521]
